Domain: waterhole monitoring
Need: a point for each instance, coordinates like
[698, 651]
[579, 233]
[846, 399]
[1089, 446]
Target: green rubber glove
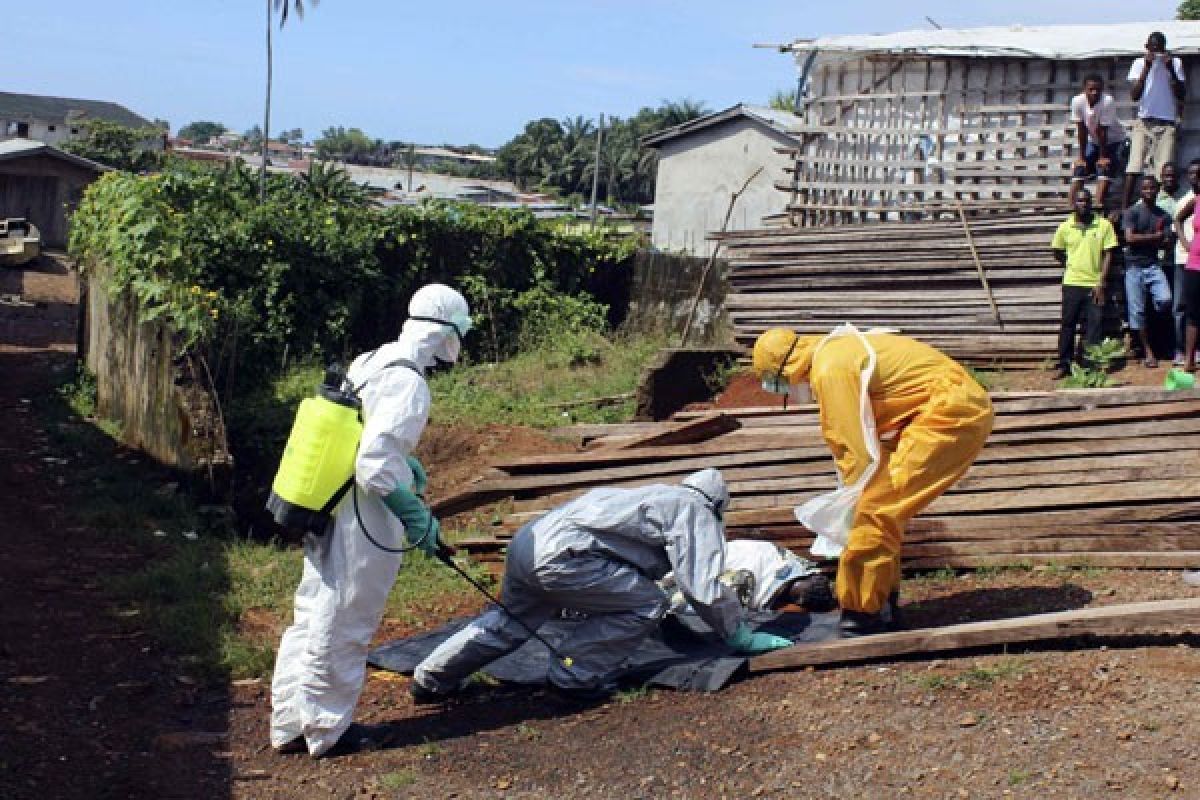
[421, 528]
[746, 641]
[420, 477]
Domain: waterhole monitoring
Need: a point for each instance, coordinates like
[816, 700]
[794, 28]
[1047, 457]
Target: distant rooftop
[1059, 42]
[781, 121]
[63, 109]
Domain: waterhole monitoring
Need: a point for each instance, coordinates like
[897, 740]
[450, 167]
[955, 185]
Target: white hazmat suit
[601, 555]
[321, 665]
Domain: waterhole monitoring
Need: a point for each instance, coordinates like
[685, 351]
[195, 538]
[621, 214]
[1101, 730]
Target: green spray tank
[317, 467]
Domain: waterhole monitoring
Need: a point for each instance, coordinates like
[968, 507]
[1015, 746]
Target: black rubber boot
[893, 606]
[860, 623]
[360, 738]
[294, 747]
[428, 697]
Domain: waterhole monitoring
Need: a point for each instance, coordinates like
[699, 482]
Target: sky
[461, 73]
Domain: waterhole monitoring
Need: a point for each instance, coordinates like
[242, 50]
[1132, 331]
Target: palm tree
[282, 7]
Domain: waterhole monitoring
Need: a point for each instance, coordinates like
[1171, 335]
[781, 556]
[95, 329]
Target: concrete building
[55, 120]
[701, 163]
[44, 185]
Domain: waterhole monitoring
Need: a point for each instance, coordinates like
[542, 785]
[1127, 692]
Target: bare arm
[1184, 229]
[1139, 83]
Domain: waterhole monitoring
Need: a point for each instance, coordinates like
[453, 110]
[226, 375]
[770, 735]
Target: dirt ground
[93, 709]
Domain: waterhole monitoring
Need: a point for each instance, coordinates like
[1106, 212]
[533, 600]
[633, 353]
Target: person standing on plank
[867, 385]
[1157, 85]
[1083, 243]
[1170, 197]
[1100, 135]
[1146, 231]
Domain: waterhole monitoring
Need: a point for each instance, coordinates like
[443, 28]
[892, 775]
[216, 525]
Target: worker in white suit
[321, 665]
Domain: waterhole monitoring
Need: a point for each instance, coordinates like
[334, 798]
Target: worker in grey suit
[601, 555]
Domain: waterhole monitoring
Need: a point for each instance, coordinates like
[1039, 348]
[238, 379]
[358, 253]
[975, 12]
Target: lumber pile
[982, 290]
[1100, 477]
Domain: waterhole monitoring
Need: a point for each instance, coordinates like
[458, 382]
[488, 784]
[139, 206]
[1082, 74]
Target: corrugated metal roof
[782, 121]
[1065, 42]
[24, 148]
[60, 109]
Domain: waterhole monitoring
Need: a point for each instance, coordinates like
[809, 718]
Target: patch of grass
[527, 731]
[933, 683]
[632, 695]
[992, 379]
[429, 749]
[549, 386]
[1018, 776]
[722, 374]
[398, 780]
[979, 675]
[936, 575]
[999, 570]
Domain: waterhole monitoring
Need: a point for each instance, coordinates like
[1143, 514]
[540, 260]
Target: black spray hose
[444, 557]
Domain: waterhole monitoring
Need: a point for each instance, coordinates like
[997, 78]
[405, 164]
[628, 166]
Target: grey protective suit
[601, 555]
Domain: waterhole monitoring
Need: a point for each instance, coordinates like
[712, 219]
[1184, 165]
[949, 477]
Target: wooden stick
[687, 328]
[962, 216]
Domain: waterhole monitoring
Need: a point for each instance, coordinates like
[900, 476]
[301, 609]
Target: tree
[201, 130]
[116, 146]
[1188, 9]
[282, 7]
[783, 100]
[352, 146]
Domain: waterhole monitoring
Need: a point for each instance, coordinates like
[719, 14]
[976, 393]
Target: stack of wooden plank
[985, 293]
[1101, 477]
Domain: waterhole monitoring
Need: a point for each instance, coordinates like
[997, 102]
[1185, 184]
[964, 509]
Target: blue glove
[420, 477]
[421, 528]
[746, 641]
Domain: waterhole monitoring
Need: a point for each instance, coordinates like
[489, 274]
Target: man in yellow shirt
[1083, 244]
[903, 421]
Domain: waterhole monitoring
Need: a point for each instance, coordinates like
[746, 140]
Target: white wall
[697, 175]
[39, 131]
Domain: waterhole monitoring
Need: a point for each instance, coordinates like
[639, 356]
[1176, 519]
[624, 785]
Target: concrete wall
[663, 290]
[45, 190]
[698, 174]
[52, 133]
[154, 394]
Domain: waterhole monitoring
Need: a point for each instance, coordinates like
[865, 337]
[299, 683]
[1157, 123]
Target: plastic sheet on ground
[683, 654]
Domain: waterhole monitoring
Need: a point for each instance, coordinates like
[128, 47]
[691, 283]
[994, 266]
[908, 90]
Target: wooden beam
[1133, 619]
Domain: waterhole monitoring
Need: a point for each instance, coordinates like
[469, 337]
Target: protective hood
[438, 318]
[711, 486]
[782, 347]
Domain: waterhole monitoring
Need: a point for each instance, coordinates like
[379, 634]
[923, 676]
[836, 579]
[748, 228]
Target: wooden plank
[697, 430]
[1133, 619]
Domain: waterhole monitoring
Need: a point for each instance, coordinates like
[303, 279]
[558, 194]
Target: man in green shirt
[1083, 244]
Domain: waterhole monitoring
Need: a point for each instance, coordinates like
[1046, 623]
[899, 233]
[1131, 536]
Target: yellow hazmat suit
[939, 414]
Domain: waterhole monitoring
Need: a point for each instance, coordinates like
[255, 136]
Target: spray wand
[443, 555]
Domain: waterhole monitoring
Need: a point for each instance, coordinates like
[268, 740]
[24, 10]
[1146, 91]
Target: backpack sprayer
[317, 467]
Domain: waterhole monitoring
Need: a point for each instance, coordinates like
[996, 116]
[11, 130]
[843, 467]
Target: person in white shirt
[1157, 86]
[1101, 136]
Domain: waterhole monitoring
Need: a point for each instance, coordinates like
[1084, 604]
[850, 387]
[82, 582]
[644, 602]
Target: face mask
[775, 384]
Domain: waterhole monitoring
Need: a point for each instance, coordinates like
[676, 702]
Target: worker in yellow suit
[904, 422]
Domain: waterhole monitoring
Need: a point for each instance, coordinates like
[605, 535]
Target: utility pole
[596, 170]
